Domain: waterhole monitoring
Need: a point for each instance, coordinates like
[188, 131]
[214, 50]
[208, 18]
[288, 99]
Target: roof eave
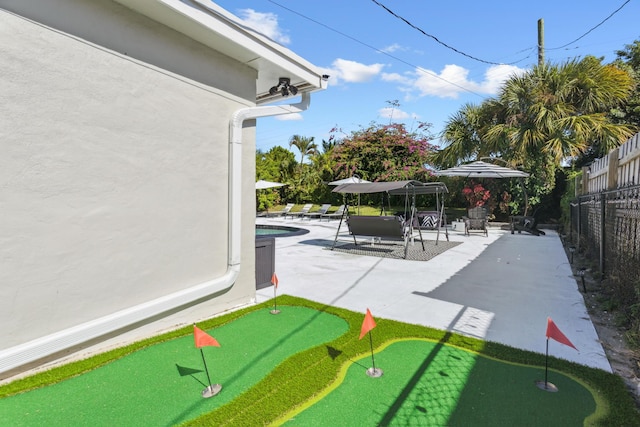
[212, 26]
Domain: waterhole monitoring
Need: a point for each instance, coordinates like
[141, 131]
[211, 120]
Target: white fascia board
[211, 25]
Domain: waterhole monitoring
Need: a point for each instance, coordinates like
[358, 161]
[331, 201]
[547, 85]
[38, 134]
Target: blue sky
[375, 58]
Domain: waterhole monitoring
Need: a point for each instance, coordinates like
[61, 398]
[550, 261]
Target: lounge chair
[282, 212]
[317, 214]
[305, 209]
[337, 214]
[476, 219]
[526, 223]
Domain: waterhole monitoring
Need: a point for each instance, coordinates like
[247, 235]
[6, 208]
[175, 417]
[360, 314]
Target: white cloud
[265, 23]
[395, 114]
[453, 80]
[448, 84]
[498, 74]
[393, 48]
[289, 117]
[397, 78]
[352, 72]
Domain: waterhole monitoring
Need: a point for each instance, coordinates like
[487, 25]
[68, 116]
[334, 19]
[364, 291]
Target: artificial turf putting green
[160, 385]
[430, 384]
[276, 368]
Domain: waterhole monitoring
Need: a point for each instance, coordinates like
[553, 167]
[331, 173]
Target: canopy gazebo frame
[409, 189]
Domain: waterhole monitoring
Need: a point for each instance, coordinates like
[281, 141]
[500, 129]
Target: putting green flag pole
[203, 339]
[367, 325]
[556, 334]
[274, 281]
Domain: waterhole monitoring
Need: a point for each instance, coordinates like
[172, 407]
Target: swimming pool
[278, 231]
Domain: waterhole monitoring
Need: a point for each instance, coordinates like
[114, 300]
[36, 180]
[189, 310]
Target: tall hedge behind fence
[605, 223]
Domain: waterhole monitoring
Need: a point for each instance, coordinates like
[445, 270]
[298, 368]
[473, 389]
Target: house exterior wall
[114, 177]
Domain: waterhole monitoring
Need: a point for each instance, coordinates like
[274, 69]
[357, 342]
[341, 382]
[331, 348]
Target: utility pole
[540, 41]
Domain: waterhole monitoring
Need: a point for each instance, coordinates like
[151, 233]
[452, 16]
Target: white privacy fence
[619, 169]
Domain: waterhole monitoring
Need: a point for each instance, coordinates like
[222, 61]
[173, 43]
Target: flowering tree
[476, 195]
[384, 153]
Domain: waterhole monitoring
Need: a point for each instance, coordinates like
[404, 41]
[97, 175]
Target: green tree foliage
[278, 164]
[551, 113]
[629, 59]
[559, 111]
[384, 153]
[305, 179]
[322, 166]
[464, 135]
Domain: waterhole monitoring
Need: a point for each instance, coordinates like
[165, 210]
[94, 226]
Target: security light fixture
[284, 86]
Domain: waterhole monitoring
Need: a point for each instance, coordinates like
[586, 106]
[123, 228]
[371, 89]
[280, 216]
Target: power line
[438, 40]
[376, 49]
[601, 22]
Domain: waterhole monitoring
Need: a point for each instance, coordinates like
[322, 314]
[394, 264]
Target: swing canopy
[400, 188]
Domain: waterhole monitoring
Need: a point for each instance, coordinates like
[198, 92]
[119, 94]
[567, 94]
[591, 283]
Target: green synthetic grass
[430, 384]
[285, 387]
[161, 384]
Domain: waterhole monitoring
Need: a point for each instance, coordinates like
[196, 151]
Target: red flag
[274, 280]
[367, 325]
[555, 333]
[203, 339]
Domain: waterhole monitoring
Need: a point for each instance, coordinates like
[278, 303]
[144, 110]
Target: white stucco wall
[114, 177]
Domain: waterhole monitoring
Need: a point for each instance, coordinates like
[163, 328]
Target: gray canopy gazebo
[408, 189]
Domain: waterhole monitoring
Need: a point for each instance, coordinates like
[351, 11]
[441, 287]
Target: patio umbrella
[262, 184]
[480, 169]
[355, 179]
[352, 180]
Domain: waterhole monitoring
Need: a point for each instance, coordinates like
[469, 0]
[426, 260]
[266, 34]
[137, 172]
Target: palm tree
[305, 145]
[555, 111]
[560, 111]
[464, 135]
[542, 117]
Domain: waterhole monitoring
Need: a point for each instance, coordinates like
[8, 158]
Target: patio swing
[390, 227]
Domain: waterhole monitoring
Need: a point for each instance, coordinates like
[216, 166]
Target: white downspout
[235, 140]
[39, 348]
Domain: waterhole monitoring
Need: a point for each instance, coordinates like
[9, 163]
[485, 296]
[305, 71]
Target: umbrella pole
[439, 218]
[526, 198]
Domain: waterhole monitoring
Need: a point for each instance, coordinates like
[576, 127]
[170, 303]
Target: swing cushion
[429, 219]
[426, 220]
[386, 227]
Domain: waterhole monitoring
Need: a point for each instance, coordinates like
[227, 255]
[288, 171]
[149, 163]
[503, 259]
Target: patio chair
[476, 219]
[317, 214]
[282, 212]
[337, 214]
[305, 209]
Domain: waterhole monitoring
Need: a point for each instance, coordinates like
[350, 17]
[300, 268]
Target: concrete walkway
[499, 288]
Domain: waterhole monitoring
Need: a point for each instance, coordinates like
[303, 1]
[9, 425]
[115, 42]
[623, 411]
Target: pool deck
[498, 288]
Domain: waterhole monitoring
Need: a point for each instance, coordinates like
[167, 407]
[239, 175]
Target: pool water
[278, 231]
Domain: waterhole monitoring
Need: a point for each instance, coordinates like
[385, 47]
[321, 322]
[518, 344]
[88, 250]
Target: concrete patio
[498, 288]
